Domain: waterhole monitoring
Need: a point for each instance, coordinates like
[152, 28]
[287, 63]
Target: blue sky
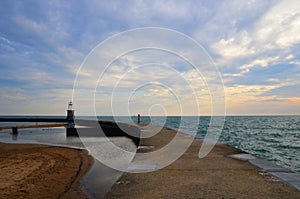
[254, 44]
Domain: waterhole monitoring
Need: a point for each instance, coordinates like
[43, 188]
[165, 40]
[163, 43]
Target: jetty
[76, 127]
[226, 172]
[15, 128]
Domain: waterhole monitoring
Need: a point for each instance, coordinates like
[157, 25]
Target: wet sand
[215, 176]
[38, 171]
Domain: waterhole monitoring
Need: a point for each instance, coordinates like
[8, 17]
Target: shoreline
[41, 171]
[20, 165]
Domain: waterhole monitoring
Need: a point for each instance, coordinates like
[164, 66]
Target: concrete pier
[15, 128]
[216, 176]
[87, 127]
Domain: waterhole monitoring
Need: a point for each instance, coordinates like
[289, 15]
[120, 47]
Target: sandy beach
[38, 171]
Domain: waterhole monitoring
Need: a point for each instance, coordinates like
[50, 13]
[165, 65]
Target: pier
[87, 128]
[15, 128]
[218, 175]
[32, 126]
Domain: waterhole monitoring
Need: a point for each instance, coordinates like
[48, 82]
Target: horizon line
[53, 115]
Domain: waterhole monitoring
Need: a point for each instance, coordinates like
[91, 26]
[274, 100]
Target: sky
[254, 45]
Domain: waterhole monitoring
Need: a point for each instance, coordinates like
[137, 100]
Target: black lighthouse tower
[71, 130]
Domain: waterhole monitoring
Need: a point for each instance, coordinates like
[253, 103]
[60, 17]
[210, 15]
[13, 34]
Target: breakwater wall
[88, 128]
[33, 119]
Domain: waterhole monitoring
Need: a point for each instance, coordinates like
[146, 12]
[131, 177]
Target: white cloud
[233, 47]
[260, 63]
[289, 57]
[273, 80]
[279, 27]
[295, 62]
[275, 31]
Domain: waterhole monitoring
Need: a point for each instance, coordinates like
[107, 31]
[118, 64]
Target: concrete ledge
[284, 175]
[269, 166]
[292, 179]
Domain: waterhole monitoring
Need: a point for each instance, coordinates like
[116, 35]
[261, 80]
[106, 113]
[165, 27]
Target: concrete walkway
[215, 176]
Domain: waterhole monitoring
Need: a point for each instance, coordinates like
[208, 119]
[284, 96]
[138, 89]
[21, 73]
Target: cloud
[12, 94]
[260, 62]
[288, 91]
[254, 44]
[260, 99]
[147, 74]
[31, 27]
[257, 63]
[236, 46]
[295, 63]
[277, 29]
[289, 57]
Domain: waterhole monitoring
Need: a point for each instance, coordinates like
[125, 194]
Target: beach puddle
[99, 180]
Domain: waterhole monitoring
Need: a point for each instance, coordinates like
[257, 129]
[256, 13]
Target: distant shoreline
[82, 116]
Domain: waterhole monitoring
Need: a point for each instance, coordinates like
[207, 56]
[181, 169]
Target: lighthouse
[70, 112]
[71, 130]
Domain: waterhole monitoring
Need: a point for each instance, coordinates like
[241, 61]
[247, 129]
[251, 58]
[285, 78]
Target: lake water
[275, 138]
